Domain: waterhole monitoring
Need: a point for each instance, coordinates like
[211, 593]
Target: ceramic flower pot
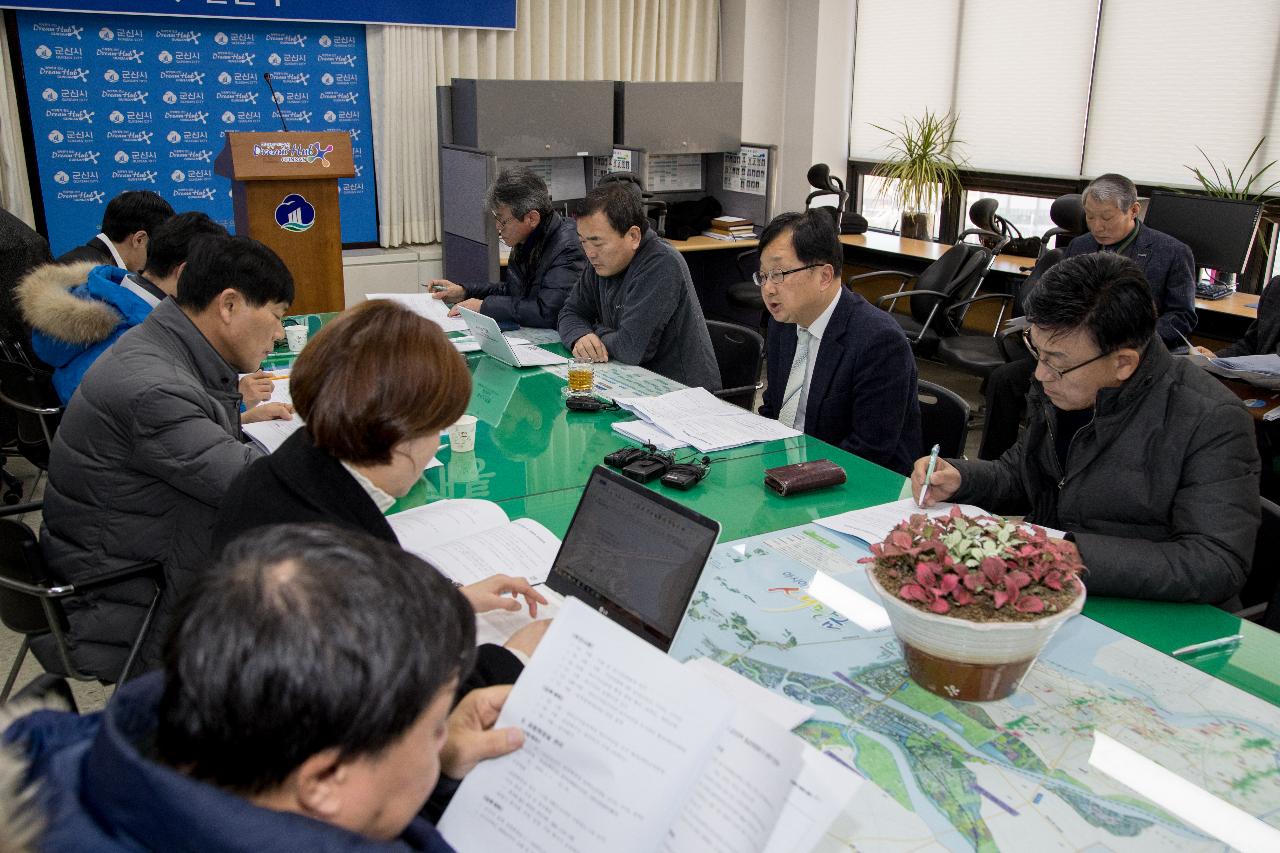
[972, 661]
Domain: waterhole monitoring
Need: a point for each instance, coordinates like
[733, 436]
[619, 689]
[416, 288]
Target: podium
[285, 194]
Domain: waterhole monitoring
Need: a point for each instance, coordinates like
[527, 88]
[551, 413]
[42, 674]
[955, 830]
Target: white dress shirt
[819, 326]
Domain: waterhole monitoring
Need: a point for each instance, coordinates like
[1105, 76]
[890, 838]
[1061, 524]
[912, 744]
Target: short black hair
[813, 236]
[522, 191]
[306, 638]
[1104, 293]
[133, 211]
[621, 204]
[216, 263]
[171, 242]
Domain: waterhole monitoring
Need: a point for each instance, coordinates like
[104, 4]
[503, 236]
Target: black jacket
[862, 396]
[1160, 490]
[300, 483]
[95, 251]
[540, 273]
[1263, 336]
[21, 251]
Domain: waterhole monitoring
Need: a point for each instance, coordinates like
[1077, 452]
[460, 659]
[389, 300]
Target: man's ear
[227, 302]
[1126, 361]
[319, 785]
[634, 234]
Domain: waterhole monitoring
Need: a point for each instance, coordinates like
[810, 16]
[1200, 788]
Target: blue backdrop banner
[128, 103]
[488, 14]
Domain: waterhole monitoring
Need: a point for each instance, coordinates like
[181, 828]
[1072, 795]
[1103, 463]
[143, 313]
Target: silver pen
[1221, 642]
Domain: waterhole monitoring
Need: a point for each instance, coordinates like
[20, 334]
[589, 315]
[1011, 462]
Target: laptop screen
[633, 554]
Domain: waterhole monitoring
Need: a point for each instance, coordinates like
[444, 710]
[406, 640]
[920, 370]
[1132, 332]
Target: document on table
[425, 305]
[469, 540]
[614, 379]
[646, 433]
[874, 523]
[269, 435]
[626, 750]
[697, 417]
[498, 626]
[1260, 370]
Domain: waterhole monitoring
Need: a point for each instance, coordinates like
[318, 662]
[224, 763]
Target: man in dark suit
[126, 223]
[839, 368]
[1111, 211]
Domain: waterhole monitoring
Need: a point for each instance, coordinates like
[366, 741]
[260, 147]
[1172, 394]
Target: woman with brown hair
[374, 389]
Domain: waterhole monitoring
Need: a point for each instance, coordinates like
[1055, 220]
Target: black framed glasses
[1057, 372]
[776, 277]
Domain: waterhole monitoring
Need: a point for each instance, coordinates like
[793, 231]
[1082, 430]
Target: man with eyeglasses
[546, 257]
[839, 369]
[1146, 462]
[636, 303]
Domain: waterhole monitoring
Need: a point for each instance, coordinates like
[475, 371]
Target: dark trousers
[1007, 388]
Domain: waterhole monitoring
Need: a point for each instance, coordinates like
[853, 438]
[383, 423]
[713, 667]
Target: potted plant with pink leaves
[974, 600]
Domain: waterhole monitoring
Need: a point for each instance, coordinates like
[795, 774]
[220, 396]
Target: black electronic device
[634, 555]
[584, 403]
[645, 470]
[686, 475]
[1218, 230]
[624, 457]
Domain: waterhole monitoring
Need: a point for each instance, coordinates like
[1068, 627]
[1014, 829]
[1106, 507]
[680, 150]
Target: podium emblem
[295, 213]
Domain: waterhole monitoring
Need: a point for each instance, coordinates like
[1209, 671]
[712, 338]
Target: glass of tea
[582, 374]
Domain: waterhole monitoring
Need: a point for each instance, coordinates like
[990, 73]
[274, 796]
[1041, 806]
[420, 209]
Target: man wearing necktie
[838, 368]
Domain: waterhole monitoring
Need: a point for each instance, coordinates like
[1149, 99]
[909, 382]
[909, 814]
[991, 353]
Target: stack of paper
[1260, 370]
[425, 305]
[627, 750]
[697, 417]
[874, 523]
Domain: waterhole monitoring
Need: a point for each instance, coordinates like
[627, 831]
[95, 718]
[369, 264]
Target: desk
[877, 242]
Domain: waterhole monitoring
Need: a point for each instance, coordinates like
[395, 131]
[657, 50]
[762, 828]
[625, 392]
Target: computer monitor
[1218, 230]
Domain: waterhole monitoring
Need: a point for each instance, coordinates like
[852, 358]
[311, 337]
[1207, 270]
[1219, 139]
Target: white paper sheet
[497, 626]
[874, 523]
[425, 305]
[697, 417]
[424, 528]
[271, 434]
[646, 433]
[616, 735]
[822, 790]
[523, 548]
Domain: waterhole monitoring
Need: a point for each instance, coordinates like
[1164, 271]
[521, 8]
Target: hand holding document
[1260, 370]
[626, 750]
[424, 305]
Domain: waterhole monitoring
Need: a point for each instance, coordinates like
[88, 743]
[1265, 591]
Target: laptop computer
[485, 330]
[634, 555]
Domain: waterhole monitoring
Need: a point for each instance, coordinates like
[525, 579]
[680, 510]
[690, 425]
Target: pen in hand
[928, 474]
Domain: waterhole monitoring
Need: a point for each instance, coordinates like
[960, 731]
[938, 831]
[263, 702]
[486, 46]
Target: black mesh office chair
[825, 184]
[739, 355]
[954, 277]
[30, 603]
[654, 209]
[1067, 213]
[944, 420]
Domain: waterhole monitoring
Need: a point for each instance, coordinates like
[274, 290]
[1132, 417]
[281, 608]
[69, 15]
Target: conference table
[533, 457]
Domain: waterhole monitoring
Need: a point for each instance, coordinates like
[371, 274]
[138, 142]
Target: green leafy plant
[1235, 184]
[921, 161]
[976, 566]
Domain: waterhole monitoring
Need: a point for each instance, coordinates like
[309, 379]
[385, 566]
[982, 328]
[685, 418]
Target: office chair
[28, 394]
[824, 183]
[944, 420]
[1067, 213]
[30, 602]
[654, 210]
[739, 355]
[980, 354]
[954, 277]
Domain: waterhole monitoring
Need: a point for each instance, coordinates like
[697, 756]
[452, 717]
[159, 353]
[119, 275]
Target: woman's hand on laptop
[590, 346]
[502, 592]
[469, 304]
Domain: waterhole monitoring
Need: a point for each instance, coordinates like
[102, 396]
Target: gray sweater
[1160, 490]
[649, 315]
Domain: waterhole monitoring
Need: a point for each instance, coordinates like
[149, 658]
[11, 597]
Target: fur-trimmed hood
[21, 819]
[48, 304]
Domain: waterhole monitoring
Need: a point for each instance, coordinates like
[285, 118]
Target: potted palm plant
[921, 165]
[974, 600]
[1238, 185]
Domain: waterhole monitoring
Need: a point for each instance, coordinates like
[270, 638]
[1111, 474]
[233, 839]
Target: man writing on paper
[636, 304]
[546, 257]
[151, 442]
[1148, 463]
[304, 705]
[839, 368]
[1111, 211]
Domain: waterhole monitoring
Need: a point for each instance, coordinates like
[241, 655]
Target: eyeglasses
[1057, 373]
[503, 222]
[775, 278]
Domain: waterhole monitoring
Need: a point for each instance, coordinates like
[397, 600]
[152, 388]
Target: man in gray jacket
[1146, 462]
[149, 445]
[636, 304]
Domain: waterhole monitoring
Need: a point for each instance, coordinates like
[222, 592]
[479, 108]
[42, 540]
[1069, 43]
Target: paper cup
[462, 435]
[296, 336]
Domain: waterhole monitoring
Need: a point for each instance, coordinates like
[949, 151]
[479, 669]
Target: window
[1028, 213]
[876, 203]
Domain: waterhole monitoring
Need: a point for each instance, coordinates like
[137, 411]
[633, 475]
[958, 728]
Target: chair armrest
[125, 573]
[966, 302]
[880, 274]
[741, 389]
[34, 410]
[909, 293]
[21, 509]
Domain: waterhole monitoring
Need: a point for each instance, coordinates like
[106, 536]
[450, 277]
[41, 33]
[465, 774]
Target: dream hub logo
[295, 214]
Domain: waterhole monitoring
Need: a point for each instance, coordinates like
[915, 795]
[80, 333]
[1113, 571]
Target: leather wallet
[803, 476]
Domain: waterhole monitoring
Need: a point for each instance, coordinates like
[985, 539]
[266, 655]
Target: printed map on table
[979, 776]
